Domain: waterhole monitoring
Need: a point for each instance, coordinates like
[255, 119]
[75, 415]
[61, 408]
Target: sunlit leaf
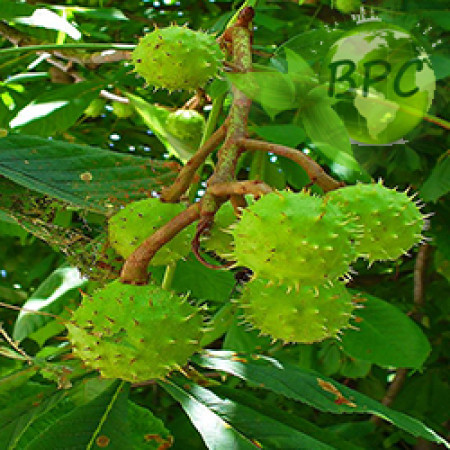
[55, 110]
[60, 289]
[217, 432]
[275, 91]
[45, 18]
[328, 134]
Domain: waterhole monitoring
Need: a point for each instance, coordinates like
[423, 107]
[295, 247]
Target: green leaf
[217, 433]
[315, 390]
[21, 407]
[312, 45]
[203, 283]
[261, 423]
[98, 423]
[441, 65]
[240, 339]
[385, 336]
[60, 289]
[284, 134]
[146, 430]
[426, 395]
[275, 91]
[268, 423]
[440, 18]
[112, 14]
[328, 134]
[47, 19]
[84, 176]
[11, 10]
[56, 110]
[16, 379]
[438, 183]
[297, 66]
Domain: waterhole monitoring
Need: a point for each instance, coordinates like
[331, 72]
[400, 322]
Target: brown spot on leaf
[340, 399]
[165, 443]
[86, 176]
[242, 360]
[103, 441]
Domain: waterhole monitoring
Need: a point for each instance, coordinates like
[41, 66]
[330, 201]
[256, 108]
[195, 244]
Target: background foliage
[62, 172]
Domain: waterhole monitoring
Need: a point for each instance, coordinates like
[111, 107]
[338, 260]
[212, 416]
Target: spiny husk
[306, 315]
[177, 58]
[135, 333]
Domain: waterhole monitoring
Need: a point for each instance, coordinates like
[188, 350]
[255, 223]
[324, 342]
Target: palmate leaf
[259, 423]
[86, 177]
[309, 387]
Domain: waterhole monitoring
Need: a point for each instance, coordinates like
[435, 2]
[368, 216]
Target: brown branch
[419, 280]
[238, 201]
[21, 39]
[392, 392]
[253, 187]
[419, 299]
[228, 154]
[173, 193]
[14, 36]
[195, 246]
[135, 269]
[315, 172]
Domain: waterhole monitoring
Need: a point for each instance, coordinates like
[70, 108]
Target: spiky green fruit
[135, 333]
[177, 58]
[219, 239]
[307, 315]
[391, 221]
[122, 110]
[186, 124]
[138, 220]
[295, 238]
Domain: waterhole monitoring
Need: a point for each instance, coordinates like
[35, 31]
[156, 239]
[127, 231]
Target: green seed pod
[122, 110]
[187, 125]
[295, 238]
[391, 221]
[177, 58]
[308, 315]
[137, 221]
[135, 333]
[95, 108]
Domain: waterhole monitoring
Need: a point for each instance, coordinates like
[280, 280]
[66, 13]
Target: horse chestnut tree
[193, 244]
